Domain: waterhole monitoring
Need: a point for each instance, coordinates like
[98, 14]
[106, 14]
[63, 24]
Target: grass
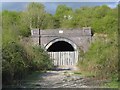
[112, 84]
[34, 75]
[86, 74]
[78, 73]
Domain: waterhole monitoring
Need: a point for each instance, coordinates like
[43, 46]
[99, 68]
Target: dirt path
[61, 79]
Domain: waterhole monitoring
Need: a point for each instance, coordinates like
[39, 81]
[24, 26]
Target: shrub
[101, 59]
[14, 65]
[41, 60]
[19, 60]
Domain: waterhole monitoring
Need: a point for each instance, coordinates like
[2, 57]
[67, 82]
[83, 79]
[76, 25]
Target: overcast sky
[51, 6]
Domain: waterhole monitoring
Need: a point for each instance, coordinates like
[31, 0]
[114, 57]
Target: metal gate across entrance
[64, 58]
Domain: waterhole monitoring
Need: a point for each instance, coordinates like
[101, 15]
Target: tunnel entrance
[63, 52]
[60, 46]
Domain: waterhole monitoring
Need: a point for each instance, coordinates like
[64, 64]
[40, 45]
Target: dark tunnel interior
[60, 46]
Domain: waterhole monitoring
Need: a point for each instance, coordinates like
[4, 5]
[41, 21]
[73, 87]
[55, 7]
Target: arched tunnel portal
[62, 51]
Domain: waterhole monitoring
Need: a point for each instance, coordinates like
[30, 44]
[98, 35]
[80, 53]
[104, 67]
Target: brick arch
[61, 39]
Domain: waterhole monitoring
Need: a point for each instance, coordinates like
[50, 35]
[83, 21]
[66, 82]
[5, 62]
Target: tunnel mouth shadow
[60, 46]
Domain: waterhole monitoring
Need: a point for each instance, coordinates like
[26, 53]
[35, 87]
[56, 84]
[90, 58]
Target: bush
[101, 59]
[41, 60]
[14, 65]
[19, 60]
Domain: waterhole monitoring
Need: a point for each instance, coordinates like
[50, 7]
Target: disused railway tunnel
[62, 45]
[63, 52]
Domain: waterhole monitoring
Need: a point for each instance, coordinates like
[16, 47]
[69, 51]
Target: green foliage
[102, 19]
[56, 22]
[49, 22]
[14, 64]
[83, 19]
[102, 58]
[10, 21]
[107, 24]
[101, 11]
[18, 61]
[41, 59]
[64, 16]
[62, 10]
[34, 15]
[112, 84]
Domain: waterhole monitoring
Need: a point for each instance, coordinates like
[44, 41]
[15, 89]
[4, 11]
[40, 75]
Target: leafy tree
[34, 15]
[62, 10]
[64, 15]
[82, 17]
[49, 21]
[101, 11]
[10, 22]
[56, 22]
[106, 24]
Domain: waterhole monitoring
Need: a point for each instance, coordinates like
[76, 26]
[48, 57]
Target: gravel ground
[61, 79]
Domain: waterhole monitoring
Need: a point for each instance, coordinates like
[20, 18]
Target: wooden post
[39, 37]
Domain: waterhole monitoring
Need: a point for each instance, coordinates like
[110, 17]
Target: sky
[51, 6]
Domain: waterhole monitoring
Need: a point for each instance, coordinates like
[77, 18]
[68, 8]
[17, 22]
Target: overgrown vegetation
[20, 58]
[101, 60]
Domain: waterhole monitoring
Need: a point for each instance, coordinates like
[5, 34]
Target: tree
[10, 25]
[101, 11]
[34, 15]
[48, 22]
[62, 10]
[63, 15]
